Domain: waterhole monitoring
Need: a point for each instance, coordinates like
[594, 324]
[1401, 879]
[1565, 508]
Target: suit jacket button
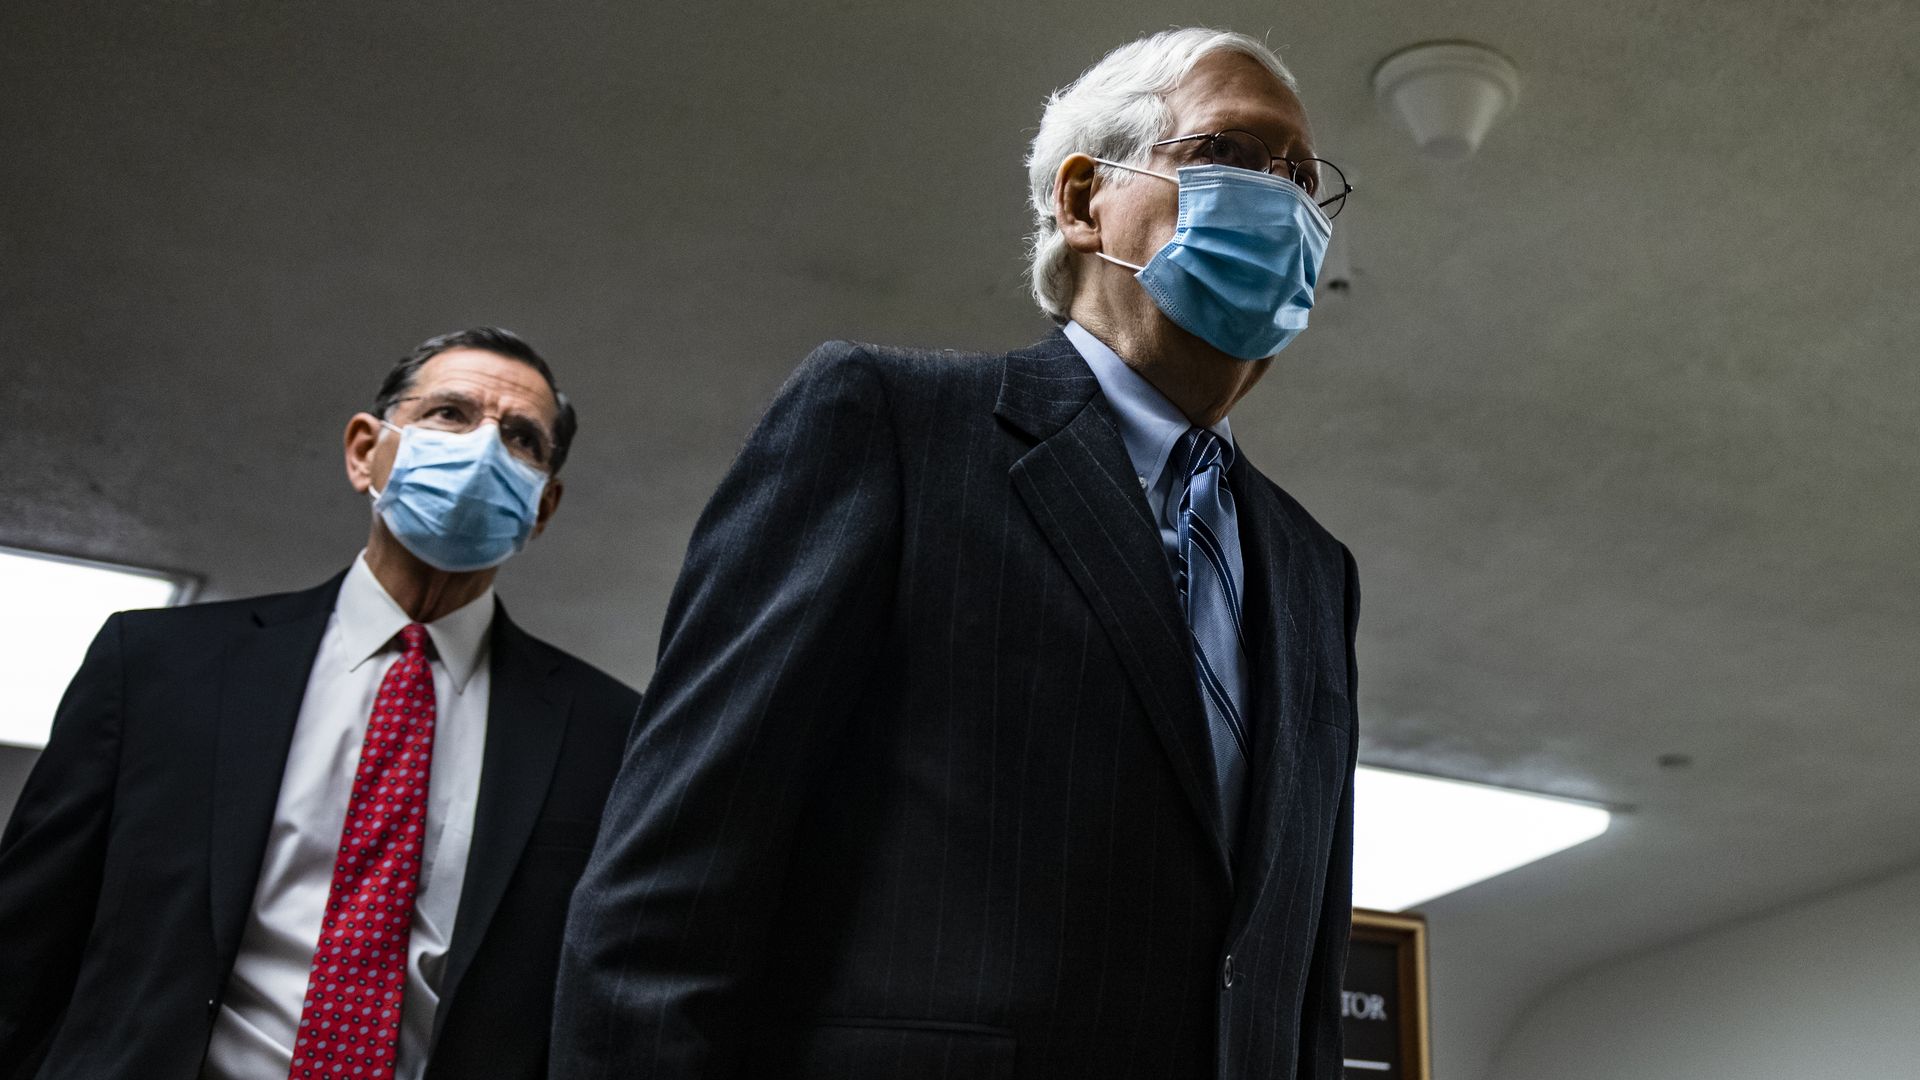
[1226, 973]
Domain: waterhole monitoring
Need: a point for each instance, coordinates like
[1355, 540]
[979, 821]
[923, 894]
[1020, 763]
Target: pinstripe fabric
[922, 786]
[1207, 561]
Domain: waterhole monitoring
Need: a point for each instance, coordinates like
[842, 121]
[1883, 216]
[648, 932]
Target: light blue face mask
[1245, 254]
[460, 502]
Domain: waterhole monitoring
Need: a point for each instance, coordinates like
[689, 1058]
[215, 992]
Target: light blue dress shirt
[1151, 426]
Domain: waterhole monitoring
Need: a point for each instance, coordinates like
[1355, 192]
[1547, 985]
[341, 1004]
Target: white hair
[1117, 109]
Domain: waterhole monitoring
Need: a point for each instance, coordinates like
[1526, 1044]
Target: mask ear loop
[374, 492]
[1174, 180]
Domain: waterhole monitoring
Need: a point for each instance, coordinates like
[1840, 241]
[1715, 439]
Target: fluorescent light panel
[1416, 837]
[1420, 837]
[54, 608]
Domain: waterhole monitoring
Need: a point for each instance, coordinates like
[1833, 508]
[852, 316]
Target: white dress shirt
[1151, 426]
[253, 1034]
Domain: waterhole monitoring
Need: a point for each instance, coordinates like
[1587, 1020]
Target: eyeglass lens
[1320, 178]
[456, 414]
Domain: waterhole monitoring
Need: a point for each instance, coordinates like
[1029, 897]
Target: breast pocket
[853, 1048]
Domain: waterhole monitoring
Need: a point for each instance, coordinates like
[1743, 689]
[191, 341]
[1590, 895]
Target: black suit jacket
[921, 786]
[128, 869]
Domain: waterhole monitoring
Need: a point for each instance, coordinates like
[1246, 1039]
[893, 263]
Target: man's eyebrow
[447, 396]
[515, 416]
[1297, 142]
[469, 401]
[1295, 137]
[521, 416]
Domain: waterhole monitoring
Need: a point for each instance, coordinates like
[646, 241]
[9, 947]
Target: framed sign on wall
[1383, 1011]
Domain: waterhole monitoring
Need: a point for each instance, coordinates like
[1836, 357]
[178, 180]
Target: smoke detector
[1447, 93]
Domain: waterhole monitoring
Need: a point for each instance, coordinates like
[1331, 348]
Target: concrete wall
[1825, 988]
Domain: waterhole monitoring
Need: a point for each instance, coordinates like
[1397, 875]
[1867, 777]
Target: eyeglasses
[458, 414]
[1321, 179]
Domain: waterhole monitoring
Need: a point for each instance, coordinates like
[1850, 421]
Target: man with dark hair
[328, 833]
[491, 339]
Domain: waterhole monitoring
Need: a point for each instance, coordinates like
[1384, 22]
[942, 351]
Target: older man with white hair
[1003, 723]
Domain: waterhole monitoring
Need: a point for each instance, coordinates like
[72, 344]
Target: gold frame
[1408, 935]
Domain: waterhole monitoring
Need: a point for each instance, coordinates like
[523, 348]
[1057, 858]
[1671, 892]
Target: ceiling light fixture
[1420, 837]
[54, 608]
[1447, 93]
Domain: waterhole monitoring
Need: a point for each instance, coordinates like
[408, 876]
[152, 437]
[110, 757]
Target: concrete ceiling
[1620, 417]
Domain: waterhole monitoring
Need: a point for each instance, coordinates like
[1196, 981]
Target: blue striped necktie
[1208, 535]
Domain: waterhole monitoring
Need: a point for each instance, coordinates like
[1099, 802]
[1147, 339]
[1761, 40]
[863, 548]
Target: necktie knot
[1200, 450]
[414, 637]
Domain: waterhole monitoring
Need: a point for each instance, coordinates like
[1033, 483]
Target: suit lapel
[1279, 601]
[526, 724]
[262, 683]
[1079, 485]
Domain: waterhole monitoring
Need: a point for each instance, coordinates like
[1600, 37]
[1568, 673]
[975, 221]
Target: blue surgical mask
[459, 501]
[1240, 269]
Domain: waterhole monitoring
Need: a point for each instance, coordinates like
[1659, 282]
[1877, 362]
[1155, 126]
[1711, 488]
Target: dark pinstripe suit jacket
[921, 788]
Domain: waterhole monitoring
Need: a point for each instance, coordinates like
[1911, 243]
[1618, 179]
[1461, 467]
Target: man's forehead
[1231, 90]
[488, 376]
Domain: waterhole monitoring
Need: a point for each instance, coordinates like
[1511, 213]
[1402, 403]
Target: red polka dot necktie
[350, 1019]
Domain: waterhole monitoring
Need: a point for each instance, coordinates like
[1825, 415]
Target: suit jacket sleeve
[52, 852]
[771, 631]
[1321, 1042]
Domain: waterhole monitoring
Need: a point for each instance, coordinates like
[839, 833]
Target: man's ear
[361, 438]
[549, 502]
[1073, 190]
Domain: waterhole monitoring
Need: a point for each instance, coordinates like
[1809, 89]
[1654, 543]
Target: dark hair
[491, 339]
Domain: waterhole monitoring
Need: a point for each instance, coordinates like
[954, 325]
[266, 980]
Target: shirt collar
[1150, 425]
[370, 619]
